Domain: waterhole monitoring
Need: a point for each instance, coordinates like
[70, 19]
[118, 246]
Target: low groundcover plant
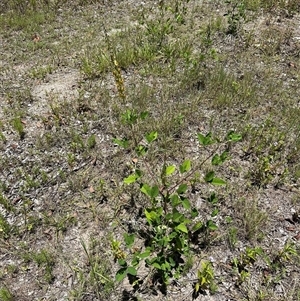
[172, 221]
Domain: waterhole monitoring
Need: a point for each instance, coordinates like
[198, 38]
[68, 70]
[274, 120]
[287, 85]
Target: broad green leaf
[132, 271]
[179, 243]
[146, 189]
[153, 214]
[156, 265]
[216, 160]
[170, 169]
[218, 182]
[186, 204]
[151, 137]
[159, 211]
[182, 188]
[201, 139]
[165, 266]
[123, 143]
[122, 262]
[138, 172]
[131, 179]
[213, 198]
[232, 136]
[187, 221]
[211, 225]
[175, 200]
[141, 150]
[209, 176]
[121, 274]
[154, 191]
[164, 241]
[215, 212]
[136, 259]
[145, 254]
[129, 117]
[172, 262]
[172, 235]
[224, 156]
[168, 216]
[150, 215]
[205, 140]
[203, 281]
[177, 216]
[151, 192]
[185, 166]
[129, 239]
[194, 213]
[182, 227]
[197, 226]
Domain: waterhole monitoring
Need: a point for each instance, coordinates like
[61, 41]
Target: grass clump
[5, 294]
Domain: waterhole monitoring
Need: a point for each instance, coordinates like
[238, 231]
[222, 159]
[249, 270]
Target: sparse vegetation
[149, 148]
[5, 294]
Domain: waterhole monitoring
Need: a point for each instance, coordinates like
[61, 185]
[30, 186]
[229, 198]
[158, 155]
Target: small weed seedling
[232, 237]
[246, 259]
[205, 279]
[288, 251]
[5, 227]
[235, 15]
[18, 127]
[45, 260]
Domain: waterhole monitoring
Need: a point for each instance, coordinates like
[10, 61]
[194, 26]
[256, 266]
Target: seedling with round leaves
[171, 219]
